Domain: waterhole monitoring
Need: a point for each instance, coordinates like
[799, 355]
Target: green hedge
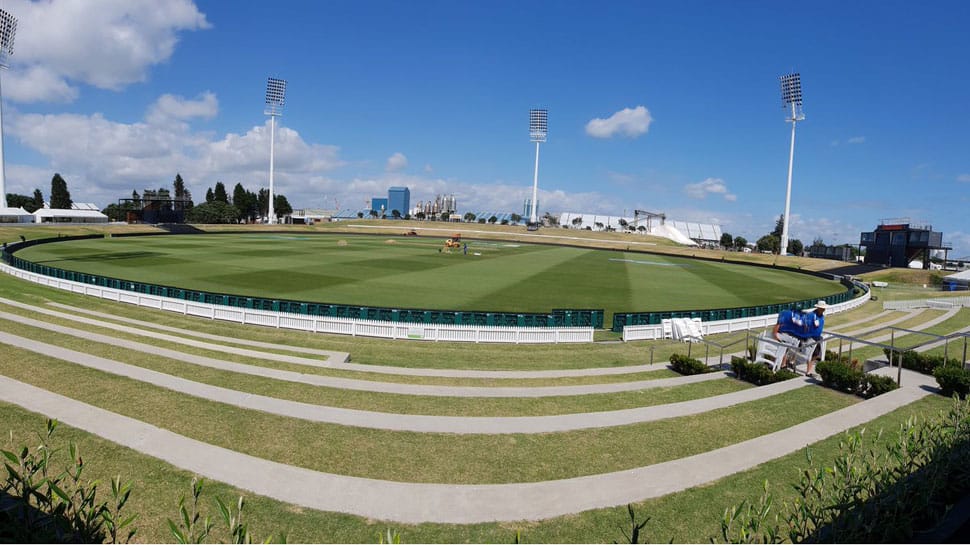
[953, 380]
[846, 378]
[921, 363]
[689, 366]
[758, 373]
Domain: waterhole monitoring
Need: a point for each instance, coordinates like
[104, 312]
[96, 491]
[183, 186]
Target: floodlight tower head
[538, 125]
[791, 95]
[275, 96]
[8, 30]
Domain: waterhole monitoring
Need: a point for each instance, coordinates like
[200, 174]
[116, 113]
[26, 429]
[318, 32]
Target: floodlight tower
[8, 29]
[538, 128]
[791, 97]
[275, 97]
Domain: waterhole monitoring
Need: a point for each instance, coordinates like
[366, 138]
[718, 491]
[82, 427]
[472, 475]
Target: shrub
[834, 356]
[689, 366]
[848, 378]
[874, 385]
[46, 505]
[840, 376]
[921, 363]
[758, 374]
[875, 491]
[953, 380]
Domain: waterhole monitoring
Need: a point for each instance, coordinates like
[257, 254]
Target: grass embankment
[384, 402]
[422, 457]
[690, 516]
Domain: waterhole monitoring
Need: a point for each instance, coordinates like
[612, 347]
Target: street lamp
[8, 29]
[275, 97]
[791, 97]
[538, 128]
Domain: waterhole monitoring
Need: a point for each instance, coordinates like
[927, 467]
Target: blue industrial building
[398, 198]
[379, 205]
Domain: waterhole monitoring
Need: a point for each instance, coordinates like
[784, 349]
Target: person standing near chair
[789, 330]
[814, 323]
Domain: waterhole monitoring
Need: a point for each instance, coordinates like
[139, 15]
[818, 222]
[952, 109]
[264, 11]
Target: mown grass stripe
[424, 457]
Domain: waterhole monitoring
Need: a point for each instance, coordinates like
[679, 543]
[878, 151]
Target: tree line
[60, 197]
[770, 242]
[243, 206]
[218, 207]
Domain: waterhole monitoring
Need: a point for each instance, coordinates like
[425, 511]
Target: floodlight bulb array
[8, 30]
[791, 90]
[275, 95]
[538, 124]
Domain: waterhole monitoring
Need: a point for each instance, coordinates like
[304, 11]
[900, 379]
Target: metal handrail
[898, 351]
[709, 343]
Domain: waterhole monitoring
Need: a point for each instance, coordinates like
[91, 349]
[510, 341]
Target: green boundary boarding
[556, 318]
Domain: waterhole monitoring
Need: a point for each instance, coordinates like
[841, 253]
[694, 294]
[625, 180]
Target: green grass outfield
[411, 272]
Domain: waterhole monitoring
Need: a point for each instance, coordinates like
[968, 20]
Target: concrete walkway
[297, 360]
[414, 503]
[406, 422]
[353, 384]
[331, 355]
[333, 363]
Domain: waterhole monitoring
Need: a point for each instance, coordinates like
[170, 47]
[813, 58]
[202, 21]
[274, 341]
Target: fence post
[651, 354]
[689, 344]
[964, 351]
[899, 372]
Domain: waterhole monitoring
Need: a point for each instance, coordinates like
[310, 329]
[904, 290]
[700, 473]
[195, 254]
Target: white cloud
[626, 122]
[171, 107]
[620, 178]
[965, 178]
[108, 44]
[110, 159]
[850, 141]
[397, 161]
[37, 84]
[428, 169]
[716, 186]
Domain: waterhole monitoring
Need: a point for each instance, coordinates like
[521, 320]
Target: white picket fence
[662, 330]
[943, 302]
[320, 324]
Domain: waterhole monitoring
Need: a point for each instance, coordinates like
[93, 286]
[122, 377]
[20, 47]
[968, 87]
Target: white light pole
[275, 97]
[8, 29]
[538, 128]
[791, 96]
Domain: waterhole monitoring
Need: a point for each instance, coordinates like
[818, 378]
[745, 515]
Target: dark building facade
[895, 243]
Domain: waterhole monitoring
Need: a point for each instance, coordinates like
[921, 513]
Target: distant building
[156, 206]
[379, 205]
[442, 204]
[897, 242]
[78, 213]
[838, 253]
[527, 208]
[398, 198]
[15, 215]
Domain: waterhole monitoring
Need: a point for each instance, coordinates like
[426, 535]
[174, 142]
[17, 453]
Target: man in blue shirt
[814, 321]
[789, 331]
[795, 328]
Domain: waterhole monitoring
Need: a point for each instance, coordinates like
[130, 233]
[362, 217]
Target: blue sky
[121, 95]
